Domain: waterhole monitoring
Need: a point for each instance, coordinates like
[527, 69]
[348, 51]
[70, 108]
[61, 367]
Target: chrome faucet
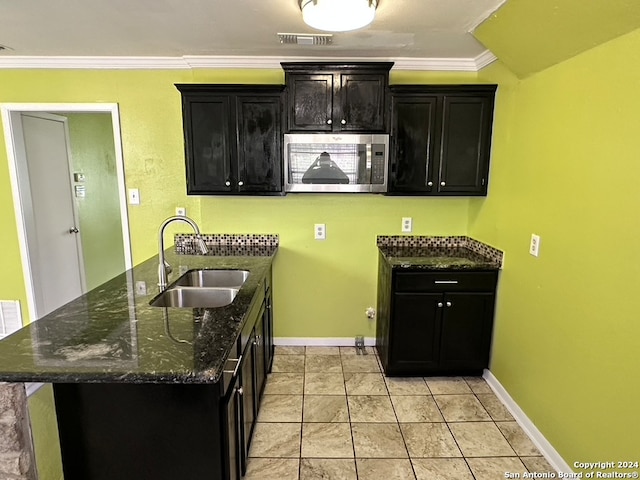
[164, 269]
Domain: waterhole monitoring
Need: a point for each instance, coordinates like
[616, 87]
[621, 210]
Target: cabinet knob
[227, 183]
[329, 122]
[343, 121]
[449, 304]
[442, 184]
[240, 391]
[439, 304]
[240, 183]
[430, 184]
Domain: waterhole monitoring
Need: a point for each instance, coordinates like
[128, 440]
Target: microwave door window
[325, 163]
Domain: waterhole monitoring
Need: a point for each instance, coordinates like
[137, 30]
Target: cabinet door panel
[415, 332]
[310, 102]
[466, 331]
[233, 433]
[268, 333]
[412, 148]
[259, 144]
[207, 143]
[248, 400]
[464, 151]
[259, 353]
[361, 103]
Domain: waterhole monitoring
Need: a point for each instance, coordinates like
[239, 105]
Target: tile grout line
[404, 440]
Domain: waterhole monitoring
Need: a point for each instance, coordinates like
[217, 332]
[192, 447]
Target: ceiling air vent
[305, 39]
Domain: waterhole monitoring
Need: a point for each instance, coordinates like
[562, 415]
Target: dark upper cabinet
[334, 97]
[440, 139]
[233, 138]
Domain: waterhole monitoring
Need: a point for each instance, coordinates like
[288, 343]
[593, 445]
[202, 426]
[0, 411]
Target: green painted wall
[565, 166]
[531, 35]
[45, 434]
[93, 153]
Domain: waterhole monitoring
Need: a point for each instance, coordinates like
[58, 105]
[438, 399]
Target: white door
[53, 239]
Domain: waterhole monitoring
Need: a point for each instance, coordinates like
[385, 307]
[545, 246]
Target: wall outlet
[181, 211]
[407, 224]
[134, 196]
[534, 247]
[320, 231]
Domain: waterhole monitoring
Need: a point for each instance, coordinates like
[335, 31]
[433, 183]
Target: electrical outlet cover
[319, 231]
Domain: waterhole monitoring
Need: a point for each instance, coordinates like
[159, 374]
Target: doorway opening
[67, 177]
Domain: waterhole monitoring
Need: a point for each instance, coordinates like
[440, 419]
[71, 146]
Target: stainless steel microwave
[355, 163]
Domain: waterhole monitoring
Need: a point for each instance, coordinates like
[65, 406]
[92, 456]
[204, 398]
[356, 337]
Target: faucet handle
[167, 268]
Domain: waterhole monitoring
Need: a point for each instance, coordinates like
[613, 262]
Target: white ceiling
[429, 29]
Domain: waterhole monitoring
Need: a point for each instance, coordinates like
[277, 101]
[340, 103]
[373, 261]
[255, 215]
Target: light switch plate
[134, 196]
[534, 247]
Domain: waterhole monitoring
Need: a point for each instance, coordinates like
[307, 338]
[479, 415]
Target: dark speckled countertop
[112, 334]
[437, 258]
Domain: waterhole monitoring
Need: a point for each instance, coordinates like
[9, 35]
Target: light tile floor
[329, 414]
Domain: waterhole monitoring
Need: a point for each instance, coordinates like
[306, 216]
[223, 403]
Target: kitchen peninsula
[150, 392]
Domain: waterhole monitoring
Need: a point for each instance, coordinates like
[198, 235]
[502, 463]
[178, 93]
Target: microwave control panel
[378, 164]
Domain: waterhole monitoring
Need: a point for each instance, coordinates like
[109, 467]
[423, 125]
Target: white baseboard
[321, 341]
[550, 453]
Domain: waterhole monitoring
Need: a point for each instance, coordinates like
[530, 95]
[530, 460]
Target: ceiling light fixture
[338, 15]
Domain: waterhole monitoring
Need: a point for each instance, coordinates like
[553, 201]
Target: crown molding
[241, 62]
[93, 63]
[484, 59]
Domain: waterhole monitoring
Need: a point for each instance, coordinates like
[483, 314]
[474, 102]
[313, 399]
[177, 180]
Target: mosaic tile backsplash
[223, 244]
[423, 241]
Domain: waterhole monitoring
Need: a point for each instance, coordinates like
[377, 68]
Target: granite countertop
[437, 258]
[112, 334]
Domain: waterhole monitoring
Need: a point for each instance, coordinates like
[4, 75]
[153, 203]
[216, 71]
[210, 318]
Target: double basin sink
[202, 289]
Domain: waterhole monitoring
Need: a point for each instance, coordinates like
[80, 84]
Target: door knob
[439, 304]
[227, 183]
[240, 183]
[449, 304]
[430, 184]
[73, 230]
[329, 122]
[343, 121]
[442, 184]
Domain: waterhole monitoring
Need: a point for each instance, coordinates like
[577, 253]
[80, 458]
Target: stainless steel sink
[195, 297]
[213, 278]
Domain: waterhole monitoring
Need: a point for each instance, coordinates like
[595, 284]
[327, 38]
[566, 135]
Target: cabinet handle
[329, 122]
[240, 183]
[240, 391]
[448, 282]
[449, 304]
[439, 304]
[227, 183]
[430, 184]
[343, 121]
[235, 370]
[442, 184]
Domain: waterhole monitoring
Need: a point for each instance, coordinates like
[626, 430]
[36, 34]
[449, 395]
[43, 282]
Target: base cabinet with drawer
[434, 323]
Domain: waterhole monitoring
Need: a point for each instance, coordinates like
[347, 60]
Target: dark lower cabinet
[434, 323]
[233, 138]
[440, 139]
[133, 431]
[247, 392]
[232, 440]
